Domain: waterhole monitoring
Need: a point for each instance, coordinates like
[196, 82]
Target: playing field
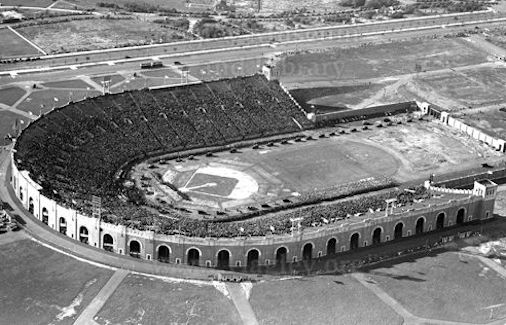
[379, 60]
[93, 34]
[14, 46]
[401, 152]
[40, 286]
[142, 300]
[449, 286]
[7, 122]
[10, 95]
[319, 300]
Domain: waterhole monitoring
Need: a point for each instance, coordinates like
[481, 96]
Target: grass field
[141, 300]
[448, 286]
[47, 98]
[319, 300]
[9, 96]
[27, 3]
[466, 89]
[40, 286]
[377, 61]
[92, 34]
[73, 83]
[7, 120]
[15, 46]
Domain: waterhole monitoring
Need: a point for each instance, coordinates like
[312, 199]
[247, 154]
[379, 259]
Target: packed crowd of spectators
[75, 151]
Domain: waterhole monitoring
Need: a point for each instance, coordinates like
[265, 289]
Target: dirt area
[92, 34]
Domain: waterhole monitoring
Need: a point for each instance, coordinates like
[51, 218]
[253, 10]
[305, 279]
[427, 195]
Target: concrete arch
[223, 249]
[193, 247]
[354, 240]
[461, 218]
[331, 249]
[374, 239]
[420, 226]
[137, 240]
[376, 227]
[305, 243]
[444, 219]
[166, 245]
[253, 248]
[396, 234]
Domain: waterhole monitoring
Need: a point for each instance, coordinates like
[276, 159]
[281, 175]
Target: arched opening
[223, 259]
[30, 205]
[45, 216]
[21, 193]
[193, 257]
[135, 249]
[108, 243]
[83, 235]
[460, 216]
[62, 225]
[398, 230]
[281, 254]
[331, 247]
[163, 254]
[253, 256]
[419, 226]
[354, 241]
[307, 252]
[376, 236]
[440, 221]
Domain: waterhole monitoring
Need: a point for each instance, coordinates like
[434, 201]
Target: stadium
[232, 174]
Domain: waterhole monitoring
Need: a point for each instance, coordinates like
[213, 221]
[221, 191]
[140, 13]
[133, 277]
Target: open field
[10, 95]
[40, 286]
[7, 120]
[177, 4]
[74, 83]
[141, 300]
[29, 3]
[319, 300]
[378, 61]
[15, 46]
[92, 34]
[51, 98]
[448, 286]
[403, 152]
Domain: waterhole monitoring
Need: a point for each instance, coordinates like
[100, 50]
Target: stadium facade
[455, 207]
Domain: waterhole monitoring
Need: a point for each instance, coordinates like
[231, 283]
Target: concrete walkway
[86, 317]
[242, 304]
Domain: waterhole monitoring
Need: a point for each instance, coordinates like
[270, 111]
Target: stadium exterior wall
[477, 206]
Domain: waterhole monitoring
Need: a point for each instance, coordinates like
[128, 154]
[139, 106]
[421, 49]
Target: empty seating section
[75, 151]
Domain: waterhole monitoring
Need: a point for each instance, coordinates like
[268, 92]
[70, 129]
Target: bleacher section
[75, 151]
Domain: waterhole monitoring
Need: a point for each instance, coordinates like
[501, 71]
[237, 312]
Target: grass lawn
[27, 3]
[47, 98]
[142, 300]
[14, 46]
[9, 96]
[74, 83]
[319, 300]
[7, 120]
[381, 60]
[92, 34]
[178, 4]
[447, 286]
[40, 286]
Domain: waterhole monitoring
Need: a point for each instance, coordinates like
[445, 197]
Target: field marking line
[101, 298]
[242, 304]
[383, 296]
[27, 40]
[409, 318]
[52, 5]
